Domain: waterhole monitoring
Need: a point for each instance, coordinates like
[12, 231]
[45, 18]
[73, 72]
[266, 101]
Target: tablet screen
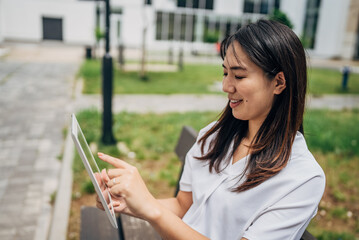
[91, 166]
[87, 151]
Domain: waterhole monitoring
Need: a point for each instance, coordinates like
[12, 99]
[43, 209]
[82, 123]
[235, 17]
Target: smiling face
[250, 92]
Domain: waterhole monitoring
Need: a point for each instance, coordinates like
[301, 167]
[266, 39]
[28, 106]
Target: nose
[227, 85]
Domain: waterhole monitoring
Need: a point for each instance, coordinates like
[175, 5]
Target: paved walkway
[35, 92]
[185, 103]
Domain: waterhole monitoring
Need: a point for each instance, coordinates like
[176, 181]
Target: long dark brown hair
[274, 48]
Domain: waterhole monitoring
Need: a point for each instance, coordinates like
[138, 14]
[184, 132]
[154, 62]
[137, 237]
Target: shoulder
[204, 130]
[196, 149]
[301, 181]
[302, 167]
[302, 157]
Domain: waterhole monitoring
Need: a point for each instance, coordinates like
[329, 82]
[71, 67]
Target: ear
[280, 83]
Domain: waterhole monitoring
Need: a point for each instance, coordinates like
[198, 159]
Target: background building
[327, 28]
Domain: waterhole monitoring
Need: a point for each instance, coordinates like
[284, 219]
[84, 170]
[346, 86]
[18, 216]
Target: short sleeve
[289, 217]
[186, 178]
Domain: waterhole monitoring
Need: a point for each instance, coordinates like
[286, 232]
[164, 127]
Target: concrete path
[35, 92]
[185, 103]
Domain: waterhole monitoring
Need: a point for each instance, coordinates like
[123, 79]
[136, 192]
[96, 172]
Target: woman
[250, 174]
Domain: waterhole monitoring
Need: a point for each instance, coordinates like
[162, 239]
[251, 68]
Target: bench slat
[95, 225]
[307, 236]
[138, 229]
[186, 140]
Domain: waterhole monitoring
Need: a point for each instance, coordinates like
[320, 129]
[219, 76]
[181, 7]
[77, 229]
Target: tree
[281, 17]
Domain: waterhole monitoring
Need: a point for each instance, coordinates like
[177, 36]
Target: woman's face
[250, 92]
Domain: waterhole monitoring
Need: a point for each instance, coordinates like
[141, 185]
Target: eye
[225, 74]
[239, 78]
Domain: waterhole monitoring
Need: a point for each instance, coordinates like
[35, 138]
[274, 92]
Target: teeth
[235, 101]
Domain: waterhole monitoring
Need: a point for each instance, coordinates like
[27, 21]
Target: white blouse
[279, 208]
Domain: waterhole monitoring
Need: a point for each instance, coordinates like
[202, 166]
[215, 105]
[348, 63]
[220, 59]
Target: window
[356, 53]
[260, 6]
[52, 28]
[277, 4]
[115, 10]
[264, 7]
[216, 29]
[211, 31]
[202, 4]
[158, 25]
[174, 26]
[310, 24]
[248, 6]
[171, 27]
[188, 24]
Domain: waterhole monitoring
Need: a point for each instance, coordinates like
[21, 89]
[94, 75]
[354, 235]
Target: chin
[239, 116]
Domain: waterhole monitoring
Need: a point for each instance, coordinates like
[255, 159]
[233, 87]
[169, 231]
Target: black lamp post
[107, 79]
[107, 85]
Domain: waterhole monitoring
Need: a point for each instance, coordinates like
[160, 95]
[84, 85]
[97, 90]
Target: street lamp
[107, 83]
[107, 79]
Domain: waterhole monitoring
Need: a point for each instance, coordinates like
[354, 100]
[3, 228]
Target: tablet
[91, 166]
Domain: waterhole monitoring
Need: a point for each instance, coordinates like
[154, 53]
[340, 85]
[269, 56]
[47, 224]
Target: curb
[60, 218]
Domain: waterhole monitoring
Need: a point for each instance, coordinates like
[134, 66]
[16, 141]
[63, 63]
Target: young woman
[250, 174]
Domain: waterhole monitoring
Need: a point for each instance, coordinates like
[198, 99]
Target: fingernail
[100, 154]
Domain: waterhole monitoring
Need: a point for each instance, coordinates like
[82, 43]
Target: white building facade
[327, 28]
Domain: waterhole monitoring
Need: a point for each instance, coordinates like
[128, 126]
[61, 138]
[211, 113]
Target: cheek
[258, 99]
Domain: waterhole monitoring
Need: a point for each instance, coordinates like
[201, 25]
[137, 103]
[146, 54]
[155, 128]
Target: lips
[235, 102]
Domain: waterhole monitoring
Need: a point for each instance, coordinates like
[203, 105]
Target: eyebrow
[238, 67]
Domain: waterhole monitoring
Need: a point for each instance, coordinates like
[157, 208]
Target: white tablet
[91, 166]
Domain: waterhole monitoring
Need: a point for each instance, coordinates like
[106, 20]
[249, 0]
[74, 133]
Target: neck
[253, 127]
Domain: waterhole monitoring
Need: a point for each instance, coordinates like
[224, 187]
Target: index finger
[113, 161]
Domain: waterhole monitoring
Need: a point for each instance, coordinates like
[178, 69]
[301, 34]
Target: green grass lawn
[197, 79]
[324, 81]
[194, 79]
[332, 136]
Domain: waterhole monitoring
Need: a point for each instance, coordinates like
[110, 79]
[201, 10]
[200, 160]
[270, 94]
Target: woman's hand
[119, 204]
[126, 185]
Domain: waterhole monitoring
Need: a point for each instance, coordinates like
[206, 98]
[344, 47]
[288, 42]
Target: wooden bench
[94, 222]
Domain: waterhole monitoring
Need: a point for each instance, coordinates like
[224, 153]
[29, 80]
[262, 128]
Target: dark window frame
[48, 26]
[209, 4]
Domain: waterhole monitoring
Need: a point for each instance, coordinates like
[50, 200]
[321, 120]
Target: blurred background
[163, 72]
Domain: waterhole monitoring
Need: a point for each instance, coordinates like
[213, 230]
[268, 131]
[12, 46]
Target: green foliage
[64, 132]
[197, 79]
[335, 236]
[307, 42]
[87, 187]
[60, 156]
[281, 17]
[155, 134]
[339, 212]
[211, 36]
[324, 81]
[193, 79]
[169, 176]
[332, 131]
[339, 196]
[99, 34]
[53, 198]
[344, 177]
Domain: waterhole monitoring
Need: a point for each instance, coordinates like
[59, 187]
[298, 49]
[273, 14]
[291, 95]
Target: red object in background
[218, 47]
